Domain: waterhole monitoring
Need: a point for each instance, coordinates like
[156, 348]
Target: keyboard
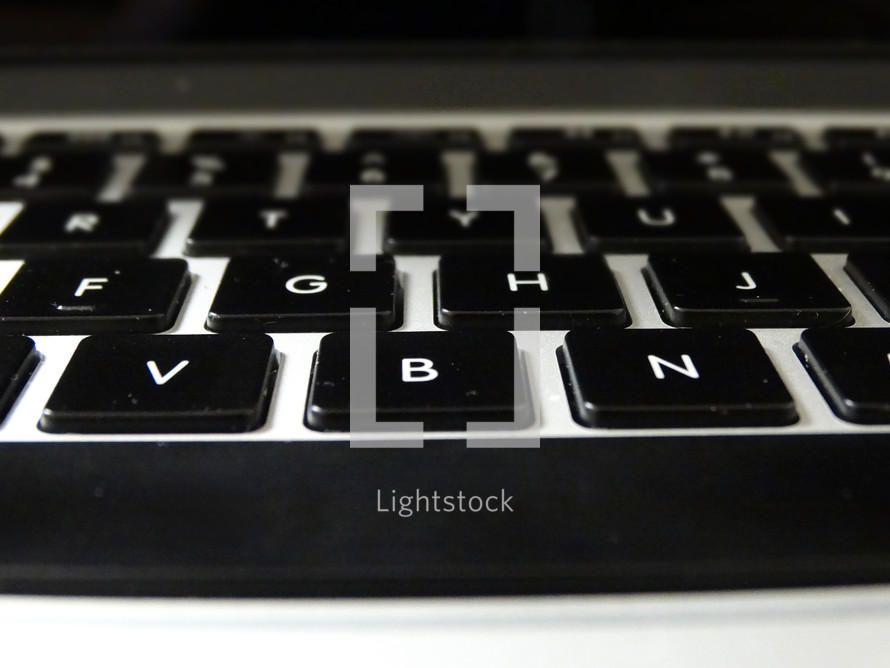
[701, 400]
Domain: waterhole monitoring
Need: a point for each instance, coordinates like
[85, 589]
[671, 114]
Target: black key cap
[850, 171]
[336, 172]
[557, 171]
[443, 379]
[586, 137]
[446, 226]
[641, 225]
[711, 171]
[294, 139]
[570, 291]
[853, 138]
[91, 296]
[414, 138]
[264, 226]
[164, 384]
[208, 174]
[57, 175]
[18, 359]
[851, 367]
[82, 228]
[647, 378]
[871, 273]
[831, 225]
[308, 293]
[121, 141]
[729, 137]
[745, 290]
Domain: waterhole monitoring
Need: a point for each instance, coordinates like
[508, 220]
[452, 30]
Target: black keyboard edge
[247, 519]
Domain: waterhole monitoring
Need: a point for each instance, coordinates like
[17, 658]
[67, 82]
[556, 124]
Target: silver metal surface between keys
[285, 420]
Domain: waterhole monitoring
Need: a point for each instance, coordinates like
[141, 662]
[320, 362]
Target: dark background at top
[63, 23]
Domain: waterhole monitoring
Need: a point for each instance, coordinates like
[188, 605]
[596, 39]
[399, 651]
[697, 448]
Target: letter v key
[160, 379]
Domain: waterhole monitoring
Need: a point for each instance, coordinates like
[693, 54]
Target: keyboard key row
[613, 379]
[725, 136]
[557, 170]
[314, 293]
[256, 225]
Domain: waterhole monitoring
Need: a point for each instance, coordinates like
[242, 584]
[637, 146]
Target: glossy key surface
[852, 369]
[745, 290]
[18, 359]
[90, 296]
[302, 293]
[713, 171]
[644, 224]
[157, 384]
[246, 139]
[849, 171]
[871, 273]
[117, 141]
[335, 172]
[569, 290]
[558, 171]
[414, 138]
[577, 136]
[670, 378]
[208, 173]
[446, 225]
[443, 379]
[83, 228]
[733, 137]
[63, 174]
[826, 224]
[260, 225]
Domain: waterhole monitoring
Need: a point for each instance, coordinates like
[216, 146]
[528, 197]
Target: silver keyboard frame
[812, 628]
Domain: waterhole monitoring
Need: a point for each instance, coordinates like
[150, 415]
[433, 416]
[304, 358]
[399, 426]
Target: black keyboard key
[18, 359]
[68, 228]
[414, 138]
[54, 175]
[830, 225]
[733, 137]
[208, 174]
[164, 384]
[853, 138]
[120, 141]
[639, 378]
[301, 293]
[446, 226]
[557, 171]
[265, 226]
[260, 139]
[745, 290]
[712, 171]
[849, 171]
[91, 296]
[443, 379]
[871, 273]
[570, 291]
[641, 225]
[586, 137]
[336, 172]
[851, 367]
